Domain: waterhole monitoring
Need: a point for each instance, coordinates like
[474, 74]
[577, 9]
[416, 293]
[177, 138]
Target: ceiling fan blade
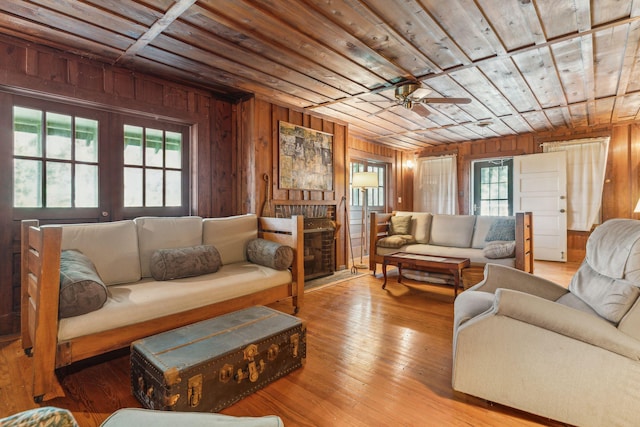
[420, 93]
[445, 100]
[420, 109]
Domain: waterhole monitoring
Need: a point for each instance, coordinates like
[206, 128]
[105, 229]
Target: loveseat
[483, 239]
[158, 273]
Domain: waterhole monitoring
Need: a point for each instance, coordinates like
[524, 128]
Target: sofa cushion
[112, 246]
[613, 249]
[81, 289]
[400, 225]
[270, 254]
[452, 230]
[149, 299]
[499, 249]
[420, 225]
[165, 233]
[610, 298]
[396, 241]
[503, 229]
[230, 235]
[168, 264]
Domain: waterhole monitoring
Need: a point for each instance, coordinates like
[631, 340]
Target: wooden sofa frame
[40, 284]
[470, 275]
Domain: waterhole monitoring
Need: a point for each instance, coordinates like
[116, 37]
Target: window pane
[153, 187]
[58, 185]
[153, 148]
[86, 186]
[58, 136]
[27, 183]
[86, 140]
[174, 188]
[132, 187]
[27, 132]
[132, 145]
[173, 150]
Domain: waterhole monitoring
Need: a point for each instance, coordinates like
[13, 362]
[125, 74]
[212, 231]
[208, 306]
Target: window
[152, 167]
[85, 165]
[493, 187]
[55, 160]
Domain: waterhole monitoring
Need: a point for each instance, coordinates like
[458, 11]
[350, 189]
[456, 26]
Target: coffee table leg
[456, 281]
[399, 272]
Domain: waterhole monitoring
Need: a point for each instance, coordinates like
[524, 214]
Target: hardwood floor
[374, 358]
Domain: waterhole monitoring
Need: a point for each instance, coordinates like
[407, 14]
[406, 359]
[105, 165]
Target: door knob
[562, 211]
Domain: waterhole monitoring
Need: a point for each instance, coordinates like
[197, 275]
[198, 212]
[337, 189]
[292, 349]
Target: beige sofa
[573, 354]
[461, 236]
[136, 304]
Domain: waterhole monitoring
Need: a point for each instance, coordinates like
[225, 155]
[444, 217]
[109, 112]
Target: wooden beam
[174, 12]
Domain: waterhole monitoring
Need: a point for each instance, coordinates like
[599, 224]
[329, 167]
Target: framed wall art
[305, 158]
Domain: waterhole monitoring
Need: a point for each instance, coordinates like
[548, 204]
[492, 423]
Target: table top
[426, 258]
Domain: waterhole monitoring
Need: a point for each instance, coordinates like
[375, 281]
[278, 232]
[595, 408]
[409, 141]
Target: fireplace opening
[319, 237]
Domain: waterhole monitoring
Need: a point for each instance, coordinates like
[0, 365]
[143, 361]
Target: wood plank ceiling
[526, 65]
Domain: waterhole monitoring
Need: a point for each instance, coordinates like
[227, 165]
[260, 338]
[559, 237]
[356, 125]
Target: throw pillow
[270, 254]
[81, 288]
[503, 229]
[400, 225]
[176, 263]
[499, 249]
[396, 241]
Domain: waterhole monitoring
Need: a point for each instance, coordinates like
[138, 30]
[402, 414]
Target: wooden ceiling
[526, 65]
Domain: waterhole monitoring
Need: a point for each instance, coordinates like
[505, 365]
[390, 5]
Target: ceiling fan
[413, 96]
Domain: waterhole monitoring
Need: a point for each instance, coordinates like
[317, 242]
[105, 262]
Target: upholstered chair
[573, 354]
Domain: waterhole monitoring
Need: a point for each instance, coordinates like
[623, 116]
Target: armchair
[573, 354]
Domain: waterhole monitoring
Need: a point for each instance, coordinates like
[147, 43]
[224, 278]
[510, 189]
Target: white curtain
[586, 164]
[435, 185]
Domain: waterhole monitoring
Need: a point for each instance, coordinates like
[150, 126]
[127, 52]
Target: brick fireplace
[319, 237]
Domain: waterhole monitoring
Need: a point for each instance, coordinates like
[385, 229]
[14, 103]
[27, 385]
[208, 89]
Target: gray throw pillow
[168, 264]
[499, 249]
[503, 229]
[400, 225]
[396, 241]
[81, 288]
[270, 254]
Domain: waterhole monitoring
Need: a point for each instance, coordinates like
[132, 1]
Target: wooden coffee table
[429, 263]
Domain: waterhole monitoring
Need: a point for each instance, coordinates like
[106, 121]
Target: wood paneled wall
[622, 179]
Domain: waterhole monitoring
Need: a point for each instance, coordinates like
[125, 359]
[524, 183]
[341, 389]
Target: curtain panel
[586, 165]
[435, 187]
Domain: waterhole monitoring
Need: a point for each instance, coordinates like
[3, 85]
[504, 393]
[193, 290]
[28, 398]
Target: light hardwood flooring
[374, 358]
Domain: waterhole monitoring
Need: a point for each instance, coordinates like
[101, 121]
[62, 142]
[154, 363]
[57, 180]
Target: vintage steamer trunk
[212, 364]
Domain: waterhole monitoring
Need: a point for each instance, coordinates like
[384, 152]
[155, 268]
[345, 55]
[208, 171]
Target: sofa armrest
[379, 228]
[499, 276]
[40, 295]
[524, 241]
[564, 320]
[288, 231]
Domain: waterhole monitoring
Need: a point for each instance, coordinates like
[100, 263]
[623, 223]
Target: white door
[540, 186]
